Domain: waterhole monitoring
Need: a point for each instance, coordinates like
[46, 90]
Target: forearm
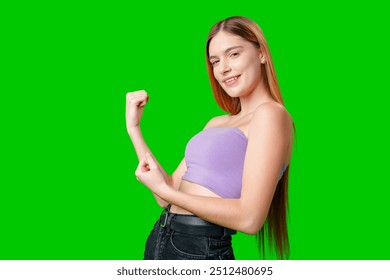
[141, 149]
[230, 213]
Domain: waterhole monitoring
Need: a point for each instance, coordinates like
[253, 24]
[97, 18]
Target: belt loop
[169, 219]
[225, 232]
[165, 216]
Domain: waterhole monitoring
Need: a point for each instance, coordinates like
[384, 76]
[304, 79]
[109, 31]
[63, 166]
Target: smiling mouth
[232, 80]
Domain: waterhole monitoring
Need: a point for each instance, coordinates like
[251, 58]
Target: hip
[187, 237]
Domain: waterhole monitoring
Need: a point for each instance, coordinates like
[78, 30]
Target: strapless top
[215, 159]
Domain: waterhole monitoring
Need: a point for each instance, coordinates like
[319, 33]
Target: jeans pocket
[227, 255]
[188, 247]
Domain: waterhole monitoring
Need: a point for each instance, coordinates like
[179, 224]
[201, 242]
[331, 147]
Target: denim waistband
[191, 224]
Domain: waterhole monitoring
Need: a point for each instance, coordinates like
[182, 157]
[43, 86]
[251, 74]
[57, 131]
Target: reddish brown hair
[275, 226]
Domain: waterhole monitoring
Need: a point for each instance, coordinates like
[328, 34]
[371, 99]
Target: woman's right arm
[135, 103]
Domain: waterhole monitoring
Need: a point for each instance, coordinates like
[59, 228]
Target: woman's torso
[196, 189]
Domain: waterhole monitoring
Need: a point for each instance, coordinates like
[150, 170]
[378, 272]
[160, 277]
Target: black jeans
[172, 241]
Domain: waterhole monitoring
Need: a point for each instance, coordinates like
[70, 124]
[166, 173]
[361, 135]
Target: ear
[262, 58]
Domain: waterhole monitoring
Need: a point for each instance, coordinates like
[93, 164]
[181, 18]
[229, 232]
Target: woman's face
[236, 64]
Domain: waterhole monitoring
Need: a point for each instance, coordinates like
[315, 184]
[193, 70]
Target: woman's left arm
[269, 137]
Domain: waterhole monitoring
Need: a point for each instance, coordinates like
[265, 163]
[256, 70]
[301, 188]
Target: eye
[235, 54]
[213, 63]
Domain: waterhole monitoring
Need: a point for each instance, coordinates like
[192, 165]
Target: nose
[225, 67]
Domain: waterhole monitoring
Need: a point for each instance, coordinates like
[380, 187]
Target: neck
[254, 99]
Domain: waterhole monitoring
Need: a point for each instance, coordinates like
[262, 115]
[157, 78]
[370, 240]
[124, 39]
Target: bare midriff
[194, 189]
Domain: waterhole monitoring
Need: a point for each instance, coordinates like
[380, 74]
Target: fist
[135, 104]
[150, 175]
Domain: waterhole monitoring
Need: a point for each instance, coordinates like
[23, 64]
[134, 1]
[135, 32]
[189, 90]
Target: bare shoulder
[273, 114]
[272, 125]
[217, 121]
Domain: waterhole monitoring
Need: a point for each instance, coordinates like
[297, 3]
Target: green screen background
[68, 189]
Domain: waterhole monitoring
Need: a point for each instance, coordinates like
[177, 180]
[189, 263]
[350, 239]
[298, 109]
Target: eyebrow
[227, 50]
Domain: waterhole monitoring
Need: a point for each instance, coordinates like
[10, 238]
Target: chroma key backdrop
[67, 184]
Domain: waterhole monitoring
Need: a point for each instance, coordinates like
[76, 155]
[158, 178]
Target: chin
[234, 93]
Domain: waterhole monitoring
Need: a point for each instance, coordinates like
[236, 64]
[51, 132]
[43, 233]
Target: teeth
[231, 79]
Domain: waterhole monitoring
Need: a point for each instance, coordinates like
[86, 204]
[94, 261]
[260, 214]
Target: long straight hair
[275, 226]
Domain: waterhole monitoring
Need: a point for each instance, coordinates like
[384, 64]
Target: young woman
[234, 176]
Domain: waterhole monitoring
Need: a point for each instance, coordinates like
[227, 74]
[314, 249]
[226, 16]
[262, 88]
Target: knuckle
[131, 93]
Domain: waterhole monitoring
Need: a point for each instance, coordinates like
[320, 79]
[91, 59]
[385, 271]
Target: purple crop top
[215, 159]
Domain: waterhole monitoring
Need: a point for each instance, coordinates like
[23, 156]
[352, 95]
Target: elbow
[251, 225]
[162, 204]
